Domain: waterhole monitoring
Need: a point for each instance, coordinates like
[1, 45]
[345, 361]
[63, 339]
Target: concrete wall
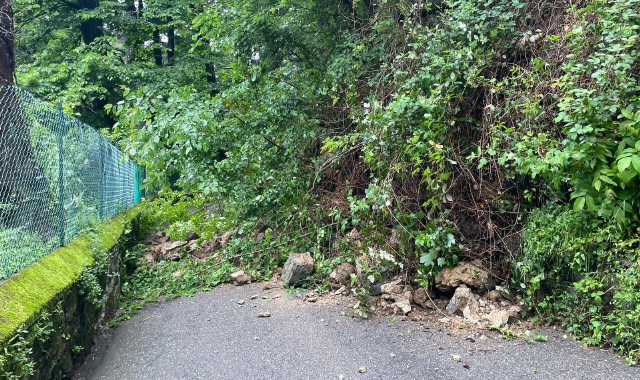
[52, 311]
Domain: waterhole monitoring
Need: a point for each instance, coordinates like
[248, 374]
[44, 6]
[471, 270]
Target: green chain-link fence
[58, 177]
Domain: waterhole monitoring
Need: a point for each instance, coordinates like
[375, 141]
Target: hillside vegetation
[502, 130]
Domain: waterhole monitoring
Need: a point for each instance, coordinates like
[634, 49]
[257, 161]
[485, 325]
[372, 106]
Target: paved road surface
[210, 336]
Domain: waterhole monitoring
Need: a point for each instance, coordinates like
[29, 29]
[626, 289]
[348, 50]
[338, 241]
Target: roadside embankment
[52, 311]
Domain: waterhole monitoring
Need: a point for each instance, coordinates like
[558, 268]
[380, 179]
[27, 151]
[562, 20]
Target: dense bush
[582, 271]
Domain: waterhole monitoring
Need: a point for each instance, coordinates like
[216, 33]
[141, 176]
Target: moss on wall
[38, 288]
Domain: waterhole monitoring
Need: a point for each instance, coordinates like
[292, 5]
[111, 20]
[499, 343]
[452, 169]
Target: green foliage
[15, 359]
[582, 270]
[30, 247]
[433, 139]
[169, 280]
[599, 111]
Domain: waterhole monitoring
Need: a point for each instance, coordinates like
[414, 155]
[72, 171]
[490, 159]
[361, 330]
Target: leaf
[597, 184]
[619, 215]
[578, 205]
[426, 259]
[540, 337]
[627, 175]
[624, 163]
[635, 160]
[591, 204]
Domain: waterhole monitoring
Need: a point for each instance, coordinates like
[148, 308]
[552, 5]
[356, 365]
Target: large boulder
[469, 273]
[297, 268]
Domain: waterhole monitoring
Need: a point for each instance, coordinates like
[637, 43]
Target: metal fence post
[101, 191]
[60, 175]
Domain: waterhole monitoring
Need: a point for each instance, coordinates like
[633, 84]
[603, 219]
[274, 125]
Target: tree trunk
[90, 28]
[24, 192]
[210, 71]
[157, 51]
[7, 52]
[172, 40]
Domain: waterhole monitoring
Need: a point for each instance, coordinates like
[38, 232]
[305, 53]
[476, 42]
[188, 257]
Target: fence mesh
[58, 176]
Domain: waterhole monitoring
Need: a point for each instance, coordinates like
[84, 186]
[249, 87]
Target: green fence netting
[58, 177]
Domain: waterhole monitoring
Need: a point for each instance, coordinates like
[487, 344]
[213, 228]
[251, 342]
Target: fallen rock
[147, 259]
[342, 273]
[297, 268]
[264, 314]
[494, 295]
[498, 317]
[224, 238]
[192, 236]
[207, 248]
[375, 287]
[420, 297]
[464, 303]
[240, 278]
[404, 305]
[172, 247]
[392, 287]
[502, 316]
[210, 246]
[408, 293]
[467, 273]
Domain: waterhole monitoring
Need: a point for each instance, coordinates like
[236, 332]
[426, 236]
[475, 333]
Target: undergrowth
[580, 271]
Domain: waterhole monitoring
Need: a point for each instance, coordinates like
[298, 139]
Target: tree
[23, 187]
[7, 52]
[83, 52]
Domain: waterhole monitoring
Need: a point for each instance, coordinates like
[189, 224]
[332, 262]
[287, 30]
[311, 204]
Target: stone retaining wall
[52, 311]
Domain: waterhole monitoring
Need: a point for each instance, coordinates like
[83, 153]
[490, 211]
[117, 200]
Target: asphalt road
[211, 336]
